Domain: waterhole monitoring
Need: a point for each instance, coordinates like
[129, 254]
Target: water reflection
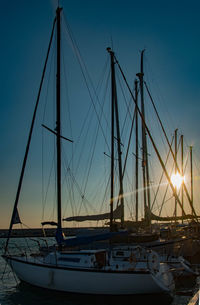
[26, 294]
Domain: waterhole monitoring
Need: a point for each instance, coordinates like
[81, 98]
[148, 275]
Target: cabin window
[120, 253]
[69, 259]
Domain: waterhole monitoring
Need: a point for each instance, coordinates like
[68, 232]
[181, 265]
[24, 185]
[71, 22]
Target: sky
[169, 31]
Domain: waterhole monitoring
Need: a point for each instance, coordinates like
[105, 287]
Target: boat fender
[185, 265]
[153, 262]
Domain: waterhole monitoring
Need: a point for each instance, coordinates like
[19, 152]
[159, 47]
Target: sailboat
[107, 271]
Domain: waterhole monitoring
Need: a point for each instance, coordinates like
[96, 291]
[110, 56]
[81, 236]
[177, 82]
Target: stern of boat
[164, 278]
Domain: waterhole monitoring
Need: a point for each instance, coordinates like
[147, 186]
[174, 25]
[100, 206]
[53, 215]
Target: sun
[177, 180]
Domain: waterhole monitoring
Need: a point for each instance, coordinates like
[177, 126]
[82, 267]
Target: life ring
[153, 262]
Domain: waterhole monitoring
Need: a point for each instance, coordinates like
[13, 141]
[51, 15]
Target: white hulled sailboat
[109, 271]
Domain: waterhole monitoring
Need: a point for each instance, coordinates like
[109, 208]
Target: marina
[106, 207]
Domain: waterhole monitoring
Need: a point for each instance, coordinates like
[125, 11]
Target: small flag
[16, 218]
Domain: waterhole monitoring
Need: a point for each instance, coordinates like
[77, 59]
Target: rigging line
[158, 154]
[80, 136]
[82, 129]
[94, 147]
[129, 183]
[173, 155]
[55, 185]
[105, 193]
[89, 127]
[29, 140]
[4, 271]
[42, 173]
[104, 98]
[48, 82]
[71, 190]
[53, 166]
[68, 112]
[128, 109]
[71, 193]
[100, 185]
[165, 194]
[82, 65]
[95, 106]
[77, 185]
[153, 191]
[100, 83]
[128, 205]
[163, 201]
[179, 143]
[127, 151]
[186, 162]
[52, 67]
[42, 239]
[15, 277]
[161, 175]
[67, 97]
[128, 105]
[26, 239]
[44, 114]
[68, 117]
[84, 144]
[48, 184]
[88, 154]
[159, 93]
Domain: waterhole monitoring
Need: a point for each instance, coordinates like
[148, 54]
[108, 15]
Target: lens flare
[177, 180]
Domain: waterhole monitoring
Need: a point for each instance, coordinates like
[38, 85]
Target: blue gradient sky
[168, 30]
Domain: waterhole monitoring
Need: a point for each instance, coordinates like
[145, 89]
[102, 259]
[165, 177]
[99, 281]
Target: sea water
[12, 292]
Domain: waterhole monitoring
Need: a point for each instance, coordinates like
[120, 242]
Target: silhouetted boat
[115, 271]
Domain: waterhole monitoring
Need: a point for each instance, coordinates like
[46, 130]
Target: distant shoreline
[49, 232]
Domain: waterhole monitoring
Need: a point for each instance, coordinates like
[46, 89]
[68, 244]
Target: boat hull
[85, 281]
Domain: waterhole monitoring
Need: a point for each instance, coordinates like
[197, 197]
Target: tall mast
[115, 117]
[182, 173]
[15, 211]
[191, 179]
[156, 150]
[112, 143]
[145, 167]
[58, 123]
[175, 154]
[136, 150]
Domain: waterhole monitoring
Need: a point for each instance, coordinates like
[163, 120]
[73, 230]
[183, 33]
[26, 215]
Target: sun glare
[177, 180]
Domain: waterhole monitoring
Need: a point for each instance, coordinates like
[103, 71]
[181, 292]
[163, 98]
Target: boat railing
[17, 250]
[26, 249]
